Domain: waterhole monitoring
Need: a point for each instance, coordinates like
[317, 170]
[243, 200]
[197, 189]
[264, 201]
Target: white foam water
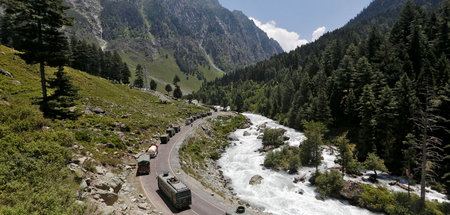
[277, 193]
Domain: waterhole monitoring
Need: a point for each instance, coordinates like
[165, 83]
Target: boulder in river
[246, 133]
[256, 179]
[352, 191]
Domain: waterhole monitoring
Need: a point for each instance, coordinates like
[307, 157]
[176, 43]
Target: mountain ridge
[177, 29]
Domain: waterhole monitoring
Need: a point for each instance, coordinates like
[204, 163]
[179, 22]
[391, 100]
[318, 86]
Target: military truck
[177, 192]
[164, 138]
[177, 128]
[143, 165]
[170, 132]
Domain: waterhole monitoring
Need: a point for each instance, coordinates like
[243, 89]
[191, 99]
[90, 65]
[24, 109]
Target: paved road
[202, 202]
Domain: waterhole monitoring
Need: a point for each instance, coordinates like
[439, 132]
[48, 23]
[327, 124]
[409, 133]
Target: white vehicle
[153, 150]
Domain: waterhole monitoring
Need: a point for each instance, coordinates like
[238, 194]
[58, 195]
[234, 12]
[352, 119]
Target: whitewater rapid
[277, 193]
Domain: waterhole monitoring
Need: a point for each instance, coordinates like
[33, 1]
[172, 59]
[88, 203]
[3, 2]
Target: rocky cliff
[195, 39]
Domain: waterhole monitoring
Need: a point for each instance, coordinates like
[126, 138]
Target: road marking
[195, 212]
[170, 167]
[145, 191]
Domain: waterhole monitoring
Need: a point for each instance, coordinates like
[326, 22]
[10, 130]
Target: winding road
[203, 202]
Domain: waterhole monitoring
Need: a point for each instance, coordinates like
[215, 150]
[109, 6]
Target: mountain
[195, 39]
[370, 78]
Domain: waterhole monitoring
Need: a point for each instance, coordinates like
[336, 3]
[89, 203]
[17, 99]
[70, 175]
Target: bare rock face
[256, 179]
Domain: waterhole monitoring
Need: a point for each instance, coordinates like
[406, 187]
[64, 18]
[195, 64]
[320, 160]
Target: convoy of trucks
[177, 192]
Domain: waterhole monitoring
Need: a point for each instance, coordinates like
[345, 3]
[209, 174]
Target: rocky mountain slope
[82, 166]
[173, 37]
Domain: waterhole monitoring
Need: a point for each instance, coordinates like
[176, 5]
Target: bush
[273, 137]
[376, 199]
[329, 183]
[288, 158]
[83, 135]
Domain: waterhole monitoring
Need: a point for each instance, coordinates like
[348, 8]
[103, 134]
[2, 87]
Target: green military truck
[177, 192]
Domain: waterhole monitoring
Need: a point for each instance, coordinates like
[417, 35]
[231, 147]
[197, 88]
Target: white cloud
[318, 33]
[287, 40]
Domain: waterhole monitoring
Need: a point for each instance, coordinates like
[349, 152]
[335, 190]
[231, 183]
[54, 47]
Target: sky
[296, 22]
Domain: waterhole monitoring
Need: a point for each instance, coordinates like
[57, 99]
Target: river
[277, 193]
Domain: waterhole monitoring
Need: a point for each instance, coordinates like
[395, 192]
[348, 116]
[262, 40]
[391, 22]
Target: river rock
[352, 191]
[256, 179]
[232, 137]
[320, 198]
[246, 133]
[263, 126]
[300, 191]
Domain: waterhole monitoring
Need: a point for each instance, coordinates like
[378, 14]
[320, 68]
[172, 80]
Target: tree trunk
[43, 82]
[41, 62]
[423, 165]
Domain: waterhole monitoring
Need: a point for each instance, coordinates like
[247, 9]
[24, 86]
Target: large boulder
[246, 133]
[256, 179]
[352, 191]
[109, 182]
[108, 197]
[6, 73]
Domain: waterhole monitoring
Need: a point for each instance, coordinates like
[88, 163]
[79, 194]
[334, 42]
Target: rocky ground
[107, 192]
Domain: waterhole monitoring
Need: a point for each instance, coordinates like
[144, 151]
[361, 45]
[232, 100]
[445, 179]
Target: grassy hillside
[35, 151]
[164, 67]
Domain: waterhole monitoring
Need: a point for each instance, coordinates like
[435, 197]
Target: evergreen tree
[409, 158]
[168, 88]
[36, 24]
[153, 85]
[61, 102]
[177, 92]
[139, 81]
[345, 156]
[310, 153]
[374, 163]
[176, 79]
[125, 73]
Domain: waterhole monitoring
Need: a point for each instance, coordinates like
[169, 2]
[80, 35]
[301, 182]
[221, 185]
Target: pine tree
[374, 163]
[153, 85]
[177, 92]
[409, 158]
[310, 153]
[139, 81]
[345, 157]
[168, 88]
[63, 99]
[125, 74]
[36, 24]
[176, 79]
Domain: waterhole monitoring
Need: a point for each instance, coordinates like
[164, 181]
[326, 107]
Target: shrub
[329, 183]
[273, 137]
[288, 158]
[375, 199]
[83, 135]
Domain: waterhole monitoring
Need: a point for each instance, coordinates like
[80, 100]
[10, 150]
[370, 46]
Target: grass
[34, 151]
[164, 68]
[199, 149]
